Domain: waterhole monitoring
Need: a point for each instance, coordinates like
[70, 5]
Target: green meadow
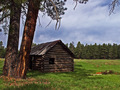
[84, 77]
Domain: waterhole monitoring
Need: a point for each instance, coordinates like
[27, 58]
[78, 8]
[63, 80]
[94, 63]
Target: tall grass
[81, 79]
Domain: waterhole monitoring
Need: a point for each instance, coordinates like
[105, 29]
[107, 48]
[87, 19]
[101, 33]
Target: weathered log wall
[63, 60]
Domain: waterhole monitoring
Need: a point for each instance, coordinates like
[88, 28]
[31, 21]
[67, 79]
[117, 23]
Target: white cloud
[92, 23]
[87, 15]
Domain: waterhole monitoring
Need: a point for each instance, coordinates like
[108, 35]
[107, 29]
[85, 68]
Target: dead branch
[2, 18]
[75, 5]
[113, 5]
[57, 15]
[49, 23]
[80, 1]
[39, 20]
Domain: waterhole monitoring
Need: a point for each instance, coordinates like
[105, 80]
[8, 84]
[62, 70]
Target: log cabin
[51, 57]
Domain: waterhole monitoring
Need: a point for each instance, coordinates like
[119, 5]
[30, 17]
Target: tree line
[101, 51]
[81, 51]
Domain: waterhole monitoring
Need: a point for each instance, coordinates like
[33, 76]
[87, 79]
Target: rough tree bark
[28, 35]
[13, 40]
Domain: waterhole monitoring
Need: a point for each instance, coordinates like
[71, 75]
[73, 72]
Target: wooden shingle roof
[43, 48]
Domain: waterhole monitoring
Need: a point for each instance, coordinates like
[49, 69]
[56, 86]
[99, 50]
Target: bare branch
[75, 5]
[1, 19]
[39, 20]
[49, 23]
[113, 5]
[80, 1]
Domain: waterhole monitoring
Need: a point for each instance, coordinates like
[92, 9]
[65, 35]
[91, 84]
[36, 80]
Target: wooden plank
[53, 65]
[57, 70]
[57, 61]
[63, 63]
[57, 53]
[58, 67]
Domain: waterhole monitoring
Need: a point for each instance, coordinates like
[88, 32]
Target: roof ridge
[49, 45]
[43, 48]
[50, 42]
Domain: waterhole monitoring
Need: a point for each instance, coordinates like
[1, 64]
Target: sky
[89, 23]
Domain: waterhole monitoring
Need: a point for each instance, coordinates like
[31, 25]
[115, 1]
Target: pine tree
[110, 49]
[96, 51]
[1, 44]
[91, 50]
[78, 50]
[104, 51]
[10, 19]
[84, 52]
[118, 51]
[114, 51]
[67, 45]
[72, 47]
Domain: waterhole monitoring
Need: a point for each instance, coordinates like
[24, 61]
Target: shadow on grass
[78, 73]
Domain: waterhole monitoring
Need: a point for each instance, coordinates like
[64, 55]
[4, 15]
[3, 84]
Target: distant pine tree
[72, 47]
[118, 51]
[114, 51]
[104, 51]
[96, 51]
[78, 50]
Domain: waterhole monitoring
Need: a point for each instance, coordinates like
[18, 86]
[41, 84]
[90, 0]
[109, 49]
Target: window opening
[51, 60]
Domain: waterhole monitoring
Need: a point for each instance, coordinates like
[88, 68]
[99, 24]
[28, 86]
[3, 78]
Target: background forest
[104, 51]
[95, 51]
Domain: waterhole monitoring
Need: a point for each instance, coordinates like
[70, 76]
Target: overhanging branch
[2, 18]
[113, 5]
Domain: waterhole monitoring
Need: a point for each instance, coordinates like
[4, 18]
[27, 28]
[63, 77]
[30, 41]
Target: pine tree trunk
[13, 40]
[28, 35]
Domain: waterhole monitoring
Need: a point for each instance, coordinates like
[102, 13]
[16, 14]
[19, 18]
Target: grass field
[82, 78]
